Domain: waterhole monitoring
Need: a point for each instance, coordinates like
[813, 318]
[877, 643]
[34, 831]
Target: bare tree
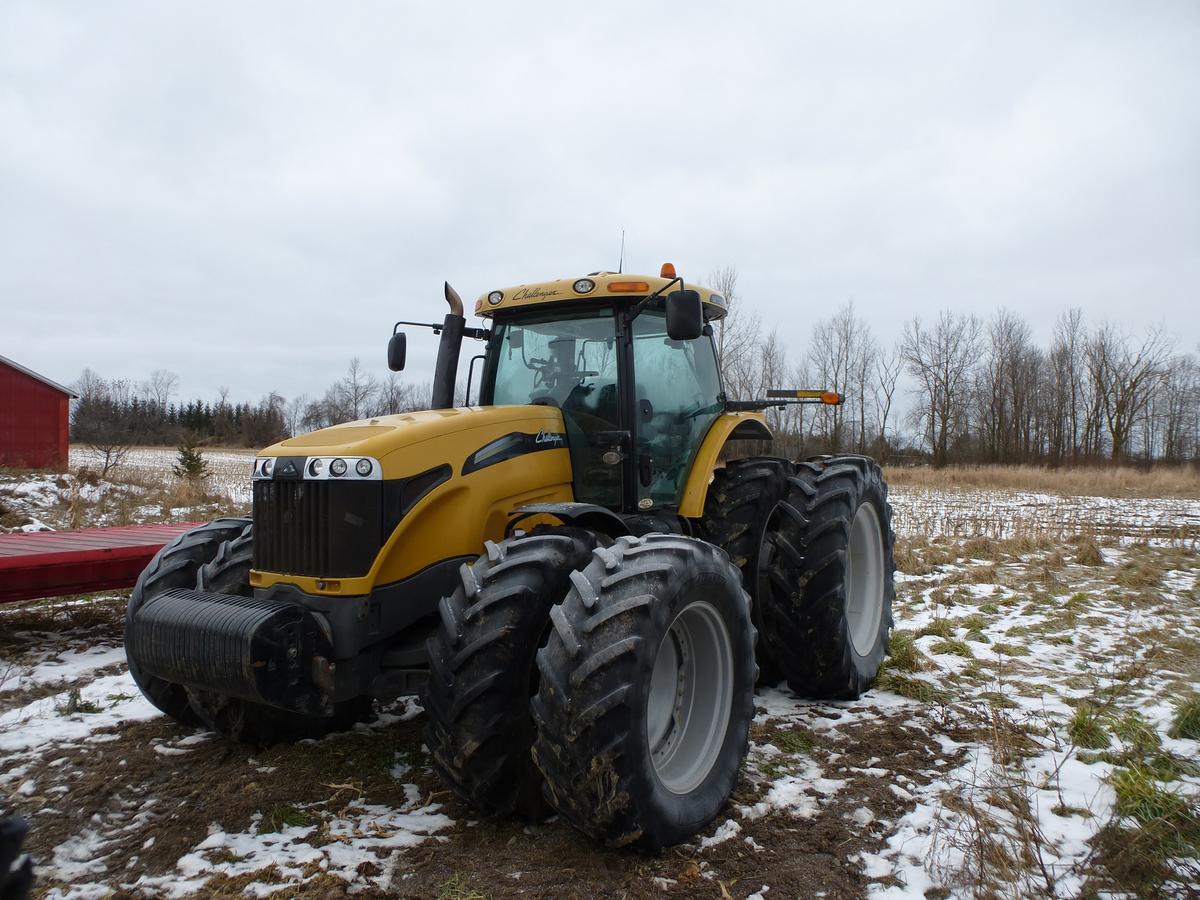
[99, 418]
[295, 412]
[842, 353]
[162, 386]
[1124, 375]
[738, 338]
[353, 396]
[887, 374]
[941, 360]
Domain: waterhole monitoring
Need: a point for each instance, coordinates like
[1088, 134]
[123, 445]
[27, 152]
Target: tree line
[113, 414]
[952, 389]
[973, 390]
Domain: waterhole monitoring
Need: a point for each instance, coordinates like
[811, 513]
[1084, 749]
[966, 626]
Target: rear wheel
[736, 513]
[175, 566]
[482, 672]
[646, 694]
[245, 721]
[827, 558]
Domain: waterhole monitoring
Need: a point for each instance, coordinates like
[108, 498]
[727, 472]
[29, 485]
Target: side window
[676, 393]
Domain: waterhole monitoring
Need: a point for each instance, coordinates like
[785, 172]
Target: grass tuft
[281, 816]
[1086, 729]
[912, 688]
[953, 646]
[1186, 723]
[942, 628]
[903, 653]
[75, 704]
[1087, 553]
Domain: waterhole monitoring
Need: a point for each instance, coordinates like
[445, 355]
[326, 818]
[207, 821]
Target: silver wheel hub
[864, 579]
[691, 695]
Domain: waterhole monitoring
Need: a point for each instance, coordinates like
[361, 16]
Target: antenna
[621, 261]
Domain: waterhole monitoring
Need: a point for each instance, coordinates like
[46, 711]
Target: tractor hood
[409, 443]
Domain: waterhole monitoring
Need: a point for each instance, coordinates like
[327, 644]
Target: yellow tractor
[564, 572]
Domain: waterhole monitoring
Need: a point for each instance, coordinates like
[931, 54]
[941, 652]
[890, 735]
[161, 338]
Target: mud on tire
[649, 618]
[176, 566]
[482, 672]
[830, 568]
[228, 572]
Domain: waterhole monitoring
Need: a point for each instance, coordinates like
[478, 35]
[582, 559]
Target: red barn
[34, 414]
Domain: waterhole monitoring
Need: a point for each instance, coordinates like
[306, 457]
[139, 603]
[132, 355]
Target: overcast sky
[250, 194]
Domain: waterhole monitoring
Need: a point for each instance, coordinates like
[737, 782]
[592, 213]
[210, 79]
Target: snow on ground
[1006, 513]
[965, 768]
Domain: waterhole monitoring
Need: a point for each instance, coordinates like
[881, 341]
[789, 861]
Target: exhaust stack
[445, 370]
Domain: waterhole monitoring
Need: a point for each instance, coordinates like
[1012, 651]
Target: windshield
[570, 363]
[565, 361]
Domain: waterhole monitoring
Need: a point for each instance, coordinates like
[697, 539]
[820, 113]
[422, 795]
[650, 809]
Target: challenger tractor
[580, 591]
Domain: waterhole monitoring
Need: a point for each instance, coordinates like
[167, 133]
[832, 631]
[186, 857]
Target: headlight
[267, 466]
[315, 467]
[363, 467]
[337, 468]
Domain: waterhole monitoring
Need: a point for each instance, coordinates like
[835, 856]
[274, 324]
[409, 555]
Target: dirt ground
[153, 790]
[1028, 730]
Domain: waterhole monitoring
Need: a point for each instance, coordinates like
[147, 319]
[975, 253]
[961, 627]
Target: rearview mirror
[685, 316]
[397, 347]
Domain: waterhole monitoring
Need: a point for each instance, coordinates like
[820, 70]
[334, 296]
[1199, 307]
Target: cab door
[676, 398]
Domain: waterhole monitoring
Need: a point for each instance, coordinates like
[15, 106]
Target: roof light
[668, 271]
[584, 286]
[495, 297]
[629, 287]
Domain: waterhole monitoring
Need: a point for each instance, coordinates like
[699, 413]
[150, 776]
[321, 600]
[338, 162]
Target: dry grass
[1119, 481]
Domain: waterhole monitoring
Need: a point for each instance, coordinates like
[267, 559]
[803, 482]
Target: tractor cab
[635, 376]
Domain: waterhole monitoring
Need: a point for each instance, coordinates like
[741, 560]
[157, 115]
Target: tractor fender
[585, 515]
[726, 427]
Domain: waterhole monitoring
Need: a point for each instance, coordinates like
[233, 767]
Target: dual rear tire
[813, 541]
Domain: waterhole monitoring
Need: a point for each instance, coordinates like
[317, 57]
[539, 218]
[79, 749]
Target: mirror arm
[645, 301]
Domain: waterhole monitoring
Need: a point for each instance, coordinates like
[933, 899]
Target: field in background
[1035, 731]
[1122, 481]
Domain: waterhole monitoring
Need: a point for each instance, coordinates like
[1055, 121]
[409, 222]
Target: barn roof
[32, 374]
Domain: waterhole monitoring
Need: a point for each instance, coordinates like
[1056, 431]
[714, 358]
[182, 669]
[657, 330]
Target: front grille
[324, 529]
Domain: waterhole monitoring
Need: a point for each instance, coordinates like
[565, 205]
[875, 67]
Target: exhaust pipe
[445, 370]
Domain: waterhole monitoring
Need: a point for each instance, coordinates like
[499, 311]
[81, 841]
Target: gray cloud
[251, 194]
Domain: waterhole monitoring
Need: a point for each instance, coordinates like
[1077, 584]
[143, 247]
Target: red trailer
[56, 563]
[34, 416]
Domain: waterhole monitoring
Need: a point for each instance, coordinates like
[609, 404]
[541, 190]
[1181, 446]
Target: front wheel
[175, 566]
[646, 694]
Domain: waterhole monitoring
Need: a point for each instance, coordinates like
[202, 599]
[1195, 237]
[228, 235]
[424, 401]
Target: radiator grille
[324, 529]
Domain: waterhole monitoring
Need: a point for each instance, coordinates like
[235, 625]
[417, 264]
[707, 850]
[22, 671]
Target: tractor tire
[243, 720]
[176, 566]
[16, 881]
[647, 691]
[482, 670]
[738, 506]
[829, 564]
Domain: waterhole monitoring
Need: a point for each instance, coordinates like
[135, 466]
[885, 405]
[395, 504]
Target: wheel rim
[691, 694]
[864, 579]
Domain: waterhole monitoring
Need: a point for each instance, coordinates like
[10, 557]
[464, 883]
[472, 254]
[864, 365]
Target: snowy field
[230, 469]
[1022, 741]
